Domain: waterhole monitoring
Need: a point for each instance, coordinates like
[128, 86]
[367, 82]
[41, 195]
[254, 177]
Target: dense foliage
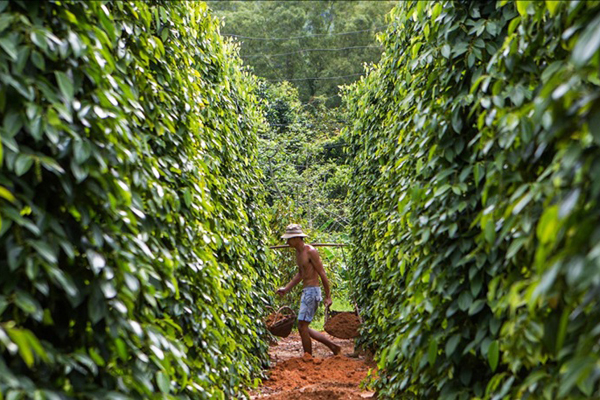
[131, 246]
[475, 215]
[283, 40]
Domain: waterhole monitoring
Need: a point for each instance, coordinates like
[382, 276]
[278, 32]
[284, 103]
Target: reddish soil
[273, 318]
[321, 377]
[343, 325]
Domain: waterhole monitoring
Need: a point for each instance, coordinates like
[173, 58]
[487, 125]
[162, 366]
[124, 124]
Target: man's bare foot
[336, 349]
[307, 356]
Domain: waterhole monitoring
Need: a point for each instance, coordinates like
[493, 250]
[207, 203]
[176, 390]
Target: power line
[315, 78]
[303, 37]
[307, 50]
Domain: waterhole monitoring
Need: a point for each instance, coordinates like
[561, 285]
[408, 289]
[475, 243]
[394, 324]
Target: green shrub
[475, 200]
[131, 249]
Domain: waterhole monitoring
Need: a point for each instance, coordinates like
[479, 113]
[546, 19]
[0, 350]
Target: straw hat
[293, 230]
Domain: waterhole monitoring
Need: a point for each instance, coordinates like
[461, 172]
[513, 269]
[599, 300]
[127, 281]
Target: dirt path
[323, 377]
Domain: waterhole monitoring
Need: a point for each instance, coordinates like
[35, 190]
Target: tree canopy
[306, 42]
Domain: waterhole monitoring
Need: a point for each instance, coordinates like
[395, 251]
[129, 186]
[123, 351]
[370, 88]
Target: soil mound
[317, 394]
[317, 377]
[300, 372]
[343, 325]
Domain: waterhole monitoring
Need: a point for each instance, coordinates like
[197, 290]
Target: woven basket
[283, 326]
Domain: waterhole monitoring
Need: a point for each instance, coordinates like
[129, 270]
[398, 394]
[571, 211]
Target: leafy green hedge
[131, 248]
[476, 218]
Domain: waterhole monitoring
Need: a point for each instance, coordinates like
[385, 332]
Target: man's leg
[318, 336]
[305, 336]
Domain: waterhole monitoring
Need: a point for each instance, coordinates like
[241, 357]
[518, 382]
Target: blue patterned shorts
[311, 297]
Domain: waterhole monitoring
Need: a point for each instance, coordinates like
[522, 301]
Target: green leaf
[436, 11]
[97, 309]
[577, 370]
[569, 203]
[552, 5]
[65, 85]
[522, 203]
[38, 60]
[5, 20]
[432, 352]
[522, 7]
[476, 306]
[415, 49]
[95, 355]
[465, 300]
[82, 151]
[29, 305]
[12, 123]
[588, 43]
[96, 260]
[513, 25]
[562, 330]
[493, 355]
[36, 346]
[515, 246]
[451, 344]
[38, 37]
[490, 231]
[51, 165]
[548, 226]
[20, 339]
[10, 47]
[46, 251]
[446, 51]
[23, 164]
[65, 282]
[163, 382]
[121, 349]
[5, 194]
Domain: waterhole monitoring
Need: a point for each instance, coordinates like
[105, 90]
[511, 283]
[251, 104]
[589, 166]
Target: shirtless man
[310, 269]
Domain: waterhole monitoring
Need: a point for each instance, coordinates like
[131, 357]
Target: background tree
[283, 40]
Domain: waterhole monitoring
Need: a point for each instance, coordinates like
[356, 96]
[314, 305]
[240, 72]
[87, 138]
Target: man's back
[310, 277]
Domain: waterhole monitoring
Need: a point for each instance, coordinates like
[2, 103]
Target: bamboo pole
[285, 246]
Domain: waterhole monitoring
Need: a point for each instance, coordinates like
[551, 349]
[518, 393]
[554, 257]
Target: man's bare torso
[307, 269]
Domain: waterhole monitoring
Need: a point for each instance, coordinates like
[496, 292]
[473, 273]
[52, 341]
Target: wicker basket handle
[279, 314]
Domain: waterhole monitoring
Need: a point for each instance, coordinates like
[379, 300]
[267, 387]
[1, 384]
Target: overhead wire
[305, 36]
[338, 218]
[307, 50]
[313, 78]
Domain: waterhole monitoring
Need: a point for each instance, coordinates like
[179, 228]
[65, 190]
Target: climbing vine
[131, 242]
[475, 217]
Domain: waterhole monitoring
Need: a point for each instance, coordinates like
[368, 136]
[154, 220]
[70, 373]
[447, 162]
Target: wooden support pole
[285, 246]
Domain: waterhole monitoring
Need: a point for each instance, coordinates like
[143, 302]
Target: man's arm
[295, 280]
[318, 264]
